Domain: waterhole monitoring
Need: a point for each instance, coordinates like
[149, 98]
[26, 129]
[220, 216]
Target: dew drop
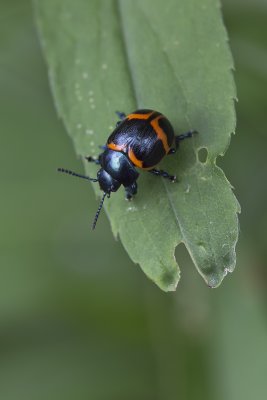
[187, 190]
[132, 209]
[226, 272]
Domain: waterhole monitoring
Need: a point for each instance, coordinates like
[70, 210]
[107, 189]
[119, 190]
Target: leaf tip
[168, 280]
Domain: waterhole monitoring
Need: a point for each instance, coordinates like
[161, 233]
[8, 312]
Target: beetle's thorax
[119, 167]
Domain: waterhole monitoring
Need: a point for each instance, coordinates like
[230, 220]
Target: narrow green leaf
[173, 57]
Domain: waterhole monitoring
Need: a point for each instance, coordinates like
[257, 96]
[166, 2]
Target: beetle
[140, 140]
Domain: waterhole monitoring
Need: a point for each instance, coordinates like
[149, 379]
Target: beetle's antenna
[67, 171]
[98, 211]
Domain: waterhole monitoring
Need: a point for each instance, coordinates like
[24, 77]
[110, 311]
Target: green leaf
[169, 56]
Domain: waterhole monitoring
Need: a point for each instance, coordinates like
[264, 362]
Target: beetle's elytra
[140, 140]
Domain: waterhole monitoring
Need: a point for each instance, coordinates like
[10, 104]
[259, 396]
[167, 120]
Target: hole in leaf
[185, 262]
[202, 154]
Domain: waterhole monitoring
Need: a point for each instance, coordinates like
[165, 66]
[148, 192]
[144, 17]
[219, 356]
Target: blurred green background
[78, 320]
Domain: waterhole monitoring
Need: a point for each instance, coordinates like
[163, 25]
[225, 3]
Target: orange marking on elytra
[139, 116]
[160, 132]
[134, 160]
[116, 147]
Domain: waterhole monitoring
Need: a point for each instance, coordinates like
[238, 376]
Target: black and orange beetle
[140, 140]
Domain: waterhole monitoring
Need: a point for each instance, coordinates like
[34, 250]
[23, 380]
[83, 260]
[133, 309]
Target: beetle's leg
[172, 151]
[130, 191]
[121, 115]
[92, 159]
[164, 174]
[186, 135]
[179, 138]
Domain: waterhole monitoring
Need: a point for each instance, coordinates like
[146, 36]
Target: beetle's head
[106, 182]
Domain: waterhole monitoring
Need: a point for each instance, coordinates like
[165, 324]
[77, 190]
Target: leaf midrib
[128, 64]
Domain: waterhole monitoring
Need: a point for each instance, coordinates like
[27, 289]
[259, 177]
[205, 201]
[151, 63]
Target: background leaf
[119, 55]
